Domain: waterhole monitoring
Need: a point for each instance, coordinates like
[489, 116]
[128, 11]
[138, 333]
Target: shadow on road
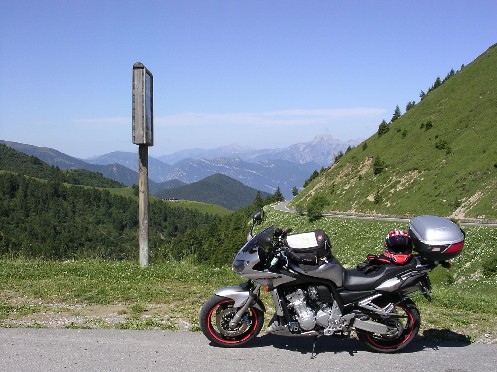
[431, 339]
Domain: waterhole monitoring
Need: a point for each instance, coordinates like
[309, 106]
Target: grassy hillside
[440, 157]
[213, 209]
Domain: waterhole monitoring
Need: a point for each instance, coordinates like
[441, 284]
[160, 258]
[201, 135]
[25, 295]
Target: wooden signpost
[143, 136]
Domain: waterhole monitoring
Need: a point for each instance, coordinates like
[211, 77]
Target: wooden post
[143, 136]
[143, 205]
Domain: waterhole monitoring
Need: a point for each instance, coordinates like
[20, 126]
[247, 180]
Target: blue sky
[263, 74]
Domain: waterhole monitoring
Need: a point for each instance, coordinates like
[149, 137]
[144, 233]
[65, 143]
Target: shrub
[490, 266]
[443, 145]
[315, 207]
[378, 198]
[378, 166]
[383, 128]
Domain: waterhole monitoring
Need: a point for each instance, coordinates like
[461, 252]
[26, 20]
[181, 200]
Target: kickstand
[313, 354]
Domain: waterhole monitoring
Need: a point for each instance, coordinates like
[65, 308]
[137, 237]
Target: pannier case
[436, 238]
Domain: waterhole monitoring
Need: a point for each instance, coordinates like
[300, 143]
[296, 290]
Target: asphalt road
[32, 350]
[283, 207]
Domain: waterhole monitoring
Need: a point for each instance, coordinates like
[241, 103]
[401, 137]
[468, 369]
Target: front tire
[407, 329]
[215, 316]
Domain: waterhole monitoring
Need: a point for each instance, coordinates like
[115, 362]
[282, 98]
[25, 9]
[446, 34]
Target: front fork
[245, 296]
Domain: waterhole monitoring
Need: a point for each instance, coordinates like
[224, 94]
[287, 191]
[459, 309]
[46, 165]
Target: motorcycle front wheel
[215, 316]
[406, 321]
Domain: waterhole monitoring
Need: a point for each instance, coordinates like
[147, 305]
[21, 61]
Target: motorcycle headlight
[239, 265]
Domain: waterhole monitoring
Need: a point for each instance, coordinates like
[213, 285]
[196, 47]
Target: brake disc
[223, 318]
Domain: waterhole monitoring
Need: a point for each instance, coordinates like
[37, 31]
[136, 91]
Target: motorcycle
[314, 295]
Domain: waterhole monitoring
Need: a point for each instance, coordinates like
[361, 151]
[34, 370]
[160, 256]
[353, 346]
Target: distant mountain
[264, 170]
[321, 150]
[157, 169]
[216, 189]
[171, 184]
[15, 161]
[233, 151]
[50, 156]
[265, 175]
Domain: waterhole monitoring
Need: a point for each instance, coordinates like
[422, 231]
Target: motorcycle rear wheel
[215, 316]
[408, 327]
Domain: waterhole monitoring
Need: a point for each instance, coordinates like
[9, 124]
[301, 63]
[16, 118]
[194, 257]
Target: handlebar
[286, 252]
[282, 233]
[305, 261]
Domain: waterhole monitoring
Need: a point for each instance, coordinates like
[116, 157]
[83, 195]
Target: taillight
[455, 248]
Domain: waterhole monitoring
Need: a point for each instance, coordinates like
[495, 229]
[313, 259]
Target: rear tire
[408, 328]
[215, 316]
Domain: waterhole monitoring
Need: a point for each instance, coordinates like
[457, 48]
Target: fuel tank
[330, 270]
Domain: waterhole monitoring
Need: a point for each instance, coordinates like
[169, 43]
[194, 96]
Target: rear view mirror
[258, 216]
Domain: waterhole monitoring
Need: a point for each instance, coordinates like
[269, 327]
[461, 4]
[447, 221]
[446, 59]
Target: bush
[378, 198]
[490, 266]
[315, 207]
[443, 145]
[383, 128]
[378, 166]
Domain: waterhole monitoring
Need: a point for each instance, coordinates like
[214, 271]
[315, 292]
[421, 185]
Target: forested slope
[15, 161]
[52, 220]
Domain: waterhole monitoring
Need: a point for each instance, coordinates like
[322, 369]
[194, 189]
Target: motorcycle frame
[247, 294]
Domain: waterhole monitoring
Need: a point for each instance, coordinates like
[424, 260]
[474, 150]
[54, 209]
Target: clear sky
[263, 74]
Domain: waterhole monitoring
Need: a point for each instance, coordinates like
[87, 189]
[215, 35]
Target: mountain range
[264, 170]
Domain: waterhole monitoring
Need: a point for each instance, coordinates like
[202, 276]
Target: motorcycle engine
[311, 306]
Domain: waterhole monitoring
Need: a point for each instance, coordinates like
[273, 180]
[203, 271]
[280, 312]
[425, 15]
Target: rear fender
[240, 295]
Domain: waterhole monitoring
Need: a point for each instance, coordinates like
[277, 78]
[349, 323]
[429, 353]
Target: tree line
[52, 220]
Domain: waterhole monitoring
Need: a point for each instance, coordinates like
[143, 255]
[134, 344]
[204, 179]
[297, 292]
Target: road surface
[283, 207]
[27, 349]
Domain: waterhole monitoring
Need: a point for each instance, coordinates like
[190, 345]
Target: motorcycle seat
[358, 280]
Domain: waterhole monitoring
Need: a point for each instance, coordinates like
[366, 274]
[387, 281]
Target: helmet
[398, 246]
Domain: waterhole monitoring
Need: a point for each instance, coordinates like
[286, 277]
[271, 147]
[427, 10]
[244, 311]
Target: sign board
[143, 105]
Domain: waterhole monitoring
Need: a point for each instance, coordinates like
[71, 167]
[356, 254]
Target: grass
[199, 206]
[168, 295]
[194, 205]
[447, 168]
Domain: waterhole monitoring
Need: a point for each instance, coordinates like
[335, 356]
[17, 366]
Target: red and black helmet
[398, 246]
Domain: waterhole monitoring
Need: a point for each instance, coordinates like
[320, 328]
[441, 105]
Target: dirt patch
[23, 313]
[403, 182]
[366, 165]
[460, 213]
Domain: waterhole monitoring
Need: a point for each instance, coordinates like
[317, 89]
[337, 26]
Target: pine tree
[397, 114]
[383, 128]
[278, 196]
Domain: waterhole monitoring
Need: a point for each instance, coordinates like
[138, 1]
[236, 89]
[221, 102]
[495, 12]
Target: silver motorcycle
[314, 295]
